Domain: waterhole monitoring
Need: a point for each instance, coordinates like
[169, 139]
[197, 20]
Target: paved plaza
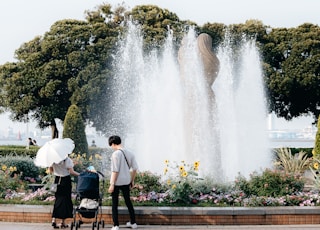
[46, 226]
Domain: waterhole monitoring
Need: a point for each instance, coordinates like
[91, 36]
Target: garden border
[292, 215]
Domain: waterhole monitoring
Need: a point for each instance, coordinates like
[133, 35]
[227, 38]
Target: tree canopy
[68, 65]
[293, 71]
[72, 63]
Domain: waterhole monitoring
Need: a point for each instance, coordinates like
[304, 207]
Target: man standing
[123, 171]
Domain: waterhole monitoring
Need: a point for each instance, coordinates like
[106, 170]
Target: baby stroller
[88, 200]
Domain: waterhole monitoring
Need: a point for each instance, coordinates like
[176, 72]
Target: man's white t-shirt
[119, 165]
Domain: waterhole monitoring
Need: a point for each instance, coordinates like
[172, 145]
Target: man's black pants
[125, 189]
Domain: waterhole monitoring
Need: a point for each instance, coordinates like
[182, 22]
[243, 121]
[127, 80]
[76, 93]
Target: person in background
[93, 144]
[34, 142]
[30, 142]
[123, 172]
[63, 206]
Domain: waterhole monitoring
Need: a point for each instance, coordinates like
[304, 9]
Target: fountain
[241, 111]
[167, 112]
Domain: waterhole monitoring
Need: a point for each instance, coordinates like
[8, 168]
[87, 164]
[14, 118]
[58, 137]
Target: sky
[21, 21]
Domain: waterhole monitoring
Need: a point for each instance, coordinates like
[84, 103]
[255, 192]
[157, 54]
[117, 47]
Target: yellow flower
[11, 169]
[166, 162]
[196, 164]
[181, 168]
[165, 170]
[184, 174]
[173, 186]
[90, 158]
[4, 167]
[168, 182]
[98, 156]
[316, 165]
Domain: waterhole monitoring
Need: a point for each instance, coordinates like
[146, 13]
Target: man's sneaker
[134, 226]
[115, 228]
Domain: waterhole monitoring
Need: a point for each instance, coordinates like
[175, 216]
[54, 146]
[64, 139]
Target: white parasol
[54, 151]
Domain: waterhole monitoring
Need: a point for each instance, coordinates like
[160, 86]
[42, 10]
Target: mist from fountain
[167, 114]
[241, 108]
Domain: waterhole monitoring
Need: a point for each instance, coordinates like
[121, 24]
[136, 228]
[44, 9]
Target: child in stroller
[88, 199]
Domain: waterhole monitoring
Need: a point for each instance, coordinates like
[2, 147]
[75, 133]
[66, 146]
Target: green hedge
[18, 150]
[306, 150]
[32, 151]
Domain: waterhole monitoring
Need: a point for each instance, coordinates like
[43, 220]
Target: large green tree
[156, 23]
[293, 71]
[70, 64]
[290, 60]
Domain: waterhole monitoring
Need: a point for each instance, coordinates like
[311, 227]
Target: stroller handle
[101, 174]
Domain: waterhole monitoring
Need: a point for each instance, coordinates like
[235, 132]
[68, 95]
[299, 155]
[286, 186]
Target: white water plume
[167, 113]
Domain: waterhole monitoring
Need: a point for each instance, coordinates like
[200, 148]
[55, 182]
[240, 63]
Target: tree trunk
[54, 130]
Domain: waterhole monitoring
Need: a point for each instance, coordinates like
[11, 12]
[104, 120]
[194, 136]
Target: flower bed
[179, 186]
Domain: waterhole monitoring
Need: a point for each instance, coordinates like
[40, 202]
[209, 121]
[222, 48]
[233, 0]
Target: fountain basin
[292, 215]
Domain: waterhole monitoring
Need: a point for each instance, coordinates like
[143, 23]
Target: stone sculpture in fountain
[210, 61]
[206, 78]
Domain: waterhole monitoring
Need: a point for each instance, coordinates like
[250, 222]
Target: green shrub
[292, 163]
[149, 181]
[314, 168]
[24, 165]
[316, 150]
[272, 183]
[207, 185]
[181, 180]
[74, 128]
[308, 151]
[294, 151]
[9, 180]
[82, 161]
